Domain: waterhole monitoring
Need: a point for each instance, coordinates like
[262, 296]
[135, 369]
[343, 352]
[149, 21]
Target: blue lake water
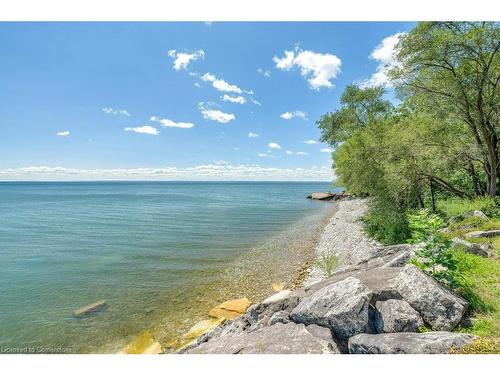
[160, 253]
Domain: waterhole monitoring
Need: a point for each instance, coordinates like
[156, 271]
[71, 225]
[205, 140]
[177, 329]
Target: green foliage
[423, 223]
[358, 108]
[327, 264]
[386, 223]
[453, 207]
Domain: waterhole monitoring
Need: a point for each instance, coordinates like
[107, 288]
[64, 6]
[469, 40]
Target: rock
[230, 309]
[408, 343]
[277, 297]
[396, 316]
[341, 306]
[277, 286]
[438, 306]
[201, 328]
[321, 196]
[483, 233]
[90, 309]
[381, 281]
[477, 213]
[473, 248]
[142, 344]
[282, 301]
[279, 317]
[276, 339]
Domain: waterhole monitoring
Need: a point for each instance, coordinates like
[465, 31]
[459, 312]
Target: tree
[358, 108]
[454, 67]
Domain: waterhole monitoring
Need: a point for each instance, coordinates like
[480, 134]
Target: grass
[453, 207]
[477, 278]
[327, 264]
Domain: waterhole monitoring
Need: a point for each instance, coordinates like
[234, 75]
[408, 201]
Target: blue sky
[91, 100]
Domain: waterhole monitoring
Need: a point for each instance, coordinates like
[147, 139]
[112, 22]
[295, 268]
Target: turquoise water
[160, 253]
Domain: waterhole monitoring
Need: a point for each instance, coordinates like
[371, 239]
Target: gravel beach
[343, 236]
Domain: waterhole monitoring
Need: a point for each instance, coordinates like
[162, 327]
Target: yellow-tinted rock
[230, 309]
[277, 287]
[143, 344]
[202, 327]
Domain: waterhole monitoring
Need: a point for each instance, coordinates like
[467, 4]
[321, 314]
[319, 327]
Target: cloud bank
[207, 172]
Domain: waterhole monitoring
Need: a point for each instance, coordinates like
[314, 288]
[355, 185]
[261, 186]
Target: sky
[179, 101]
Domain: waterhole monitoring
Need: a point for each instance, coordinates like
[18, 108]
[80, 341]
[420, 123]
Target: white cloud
[310, 142]
[274, 146]
[384, 54]
[215, 114]
[234, 99]
[182, 60]
[252, 135]
[64, 133]
[288, 152]
[210, 172]
[301, 153]
[290, 115]
[116, 112]
[319, 69]
[146, 129]
[266, 73]
[171, 123]
[329, 150]
[263, 155]
[197, 84]
[220, 84]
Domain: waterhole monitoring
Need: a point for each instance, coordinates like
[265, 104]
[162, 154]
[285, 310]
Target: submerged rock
[341, 306]
[408, 343]
[277, 339]
[90, 309]
[142, 344]
[230, 309]
[438, 306]
[396, 316]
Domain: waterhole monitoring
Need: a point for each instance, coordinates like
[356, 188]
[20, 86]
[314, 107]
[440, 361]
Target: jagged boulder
[276, 339]
[408, 343]
[281, 301]
[381, 281]
[438, 306]
[396, 316]
[341, 306]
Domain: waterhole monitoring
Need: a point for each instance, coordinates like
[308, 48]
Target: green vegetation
[432, 159]
[440, 142]
[327, 264]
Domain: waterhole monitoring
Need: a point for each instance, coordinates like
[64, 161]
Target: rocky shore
[374, 302]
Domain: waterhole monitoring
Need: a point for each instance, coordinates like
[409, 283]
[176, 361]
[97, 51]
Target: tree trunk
[433, 199]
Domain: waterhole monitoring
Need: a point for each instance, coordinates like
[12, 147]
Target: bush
[327, 264]
[386, 223]
[422, 224]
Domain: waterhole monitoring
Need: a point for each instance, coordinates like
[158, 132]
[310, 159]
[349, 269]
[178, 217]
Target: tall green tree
[454, 68]
[358, 108]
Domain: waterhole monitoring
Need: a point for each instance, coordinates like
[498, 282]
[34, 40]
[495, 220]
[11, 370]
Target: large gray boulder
[381, 281]
[396, 316]
[341, 306]
[408, 343]
[438, 306]
[276, 339]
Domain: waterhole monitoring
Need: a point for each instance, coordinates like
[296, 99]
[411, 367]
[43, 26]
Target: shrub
[386, 223]
[327, 264]
[422, 224]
